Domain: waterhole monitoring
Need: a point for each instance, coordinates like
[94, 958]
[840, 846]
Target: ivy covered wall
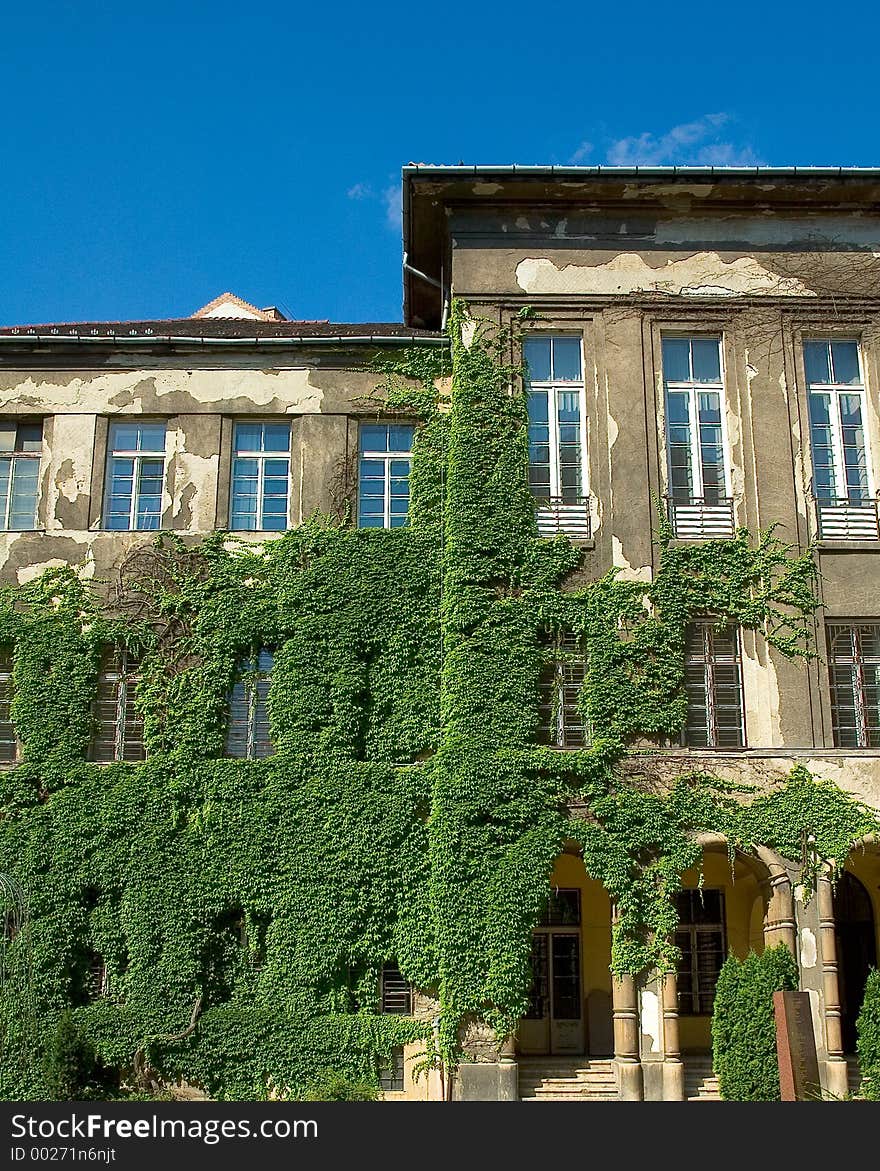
[408, 813]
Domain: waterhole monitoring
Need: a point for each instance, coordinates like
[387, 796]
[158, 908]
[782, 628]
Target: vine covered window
[383, 484]
[8, 740]
[561, 722]
[260, 477]
[854, 662]
[118, 725]
[701, 940]
[391, 1071]
[20, 447]
[247, 733]
[396, 991]
[713, 680]
[135, 476]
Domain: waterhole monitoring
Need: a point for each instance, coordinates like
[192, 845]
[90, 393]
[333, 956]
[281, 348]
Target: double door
[554, 1022]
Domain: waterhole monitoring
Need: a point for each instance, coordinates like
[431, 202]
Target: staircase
[853, 1074]
[700, 1083]
[566, 1079]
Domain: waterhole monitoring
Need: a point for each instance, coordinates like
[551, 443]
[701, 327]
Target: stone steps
[700, 1083]
[559, 1080]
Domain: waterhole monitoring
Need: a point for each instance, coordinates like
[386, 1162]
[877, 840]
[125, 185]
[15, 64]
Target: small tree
[868, 1033]
[71, 1066]
[744, 1027]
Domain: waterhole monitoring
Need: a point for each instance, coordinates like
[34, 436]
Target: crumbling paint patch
[627, 572]
[651, 1019]
[487, 189]
[702, 274]
[808, 948]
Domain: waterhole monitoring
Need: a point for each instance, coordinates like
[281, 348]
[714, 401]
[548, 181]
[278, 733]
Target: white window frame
[693, 389]
[843, 519]
[261, 457]
[125, 679]
[554, 387]
[386, 458]
[138, 457]
[16, 457]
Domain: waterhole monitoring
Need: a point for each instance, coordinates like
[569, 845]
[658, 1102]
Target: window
[247, 734]
[854, 662]
[699, 480]
[841, 472]
[119, 726]
[701, 940]
[396, 991]
[713, 680]
[386, 456]
[135, 476]
[260, 477]
[8, 741]
[561, 722]
[557, 434]
[20, 448]
[391, 1071]
[97, 983]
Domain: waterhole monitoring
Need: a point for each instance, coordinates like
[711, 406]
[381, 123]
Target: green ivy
[408, 813]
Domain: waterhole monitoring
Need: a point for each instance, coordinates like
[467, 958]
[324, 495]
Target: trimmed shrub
[336, 1087]
[868, 1033]
[744, 1027]
[73, 1071]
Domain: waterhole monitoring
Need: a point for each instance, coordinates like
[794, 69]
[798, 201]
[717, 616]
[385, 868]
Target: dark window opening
[701, 939]
[118, 725]
[8, 741]
[561, 723]
[854, 666]
[247, 733]
[396, 991]
[713, 681]
[391, 1070]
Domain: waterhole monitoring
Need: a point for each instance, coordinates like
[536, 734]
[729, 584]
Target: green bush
[868, 1032]
[72, 1069]
[744, 1027]
[336, 1087]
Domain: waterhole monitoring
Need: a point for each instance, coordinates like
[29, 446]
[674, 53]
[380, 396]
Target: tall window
[396, 991]
[557, 434]
[119, 726]
[841, 471]
[561, 722]
[713, 680]
[247, 733]
[701, 940]
[699, 480]
[135, 476]
[391, 1071]
[854, 661]
[260, 477]
[8, 741]
[20, 447]
[383, 493]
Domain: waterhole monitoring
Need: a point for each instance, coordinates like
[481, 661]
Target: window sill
[826, 546]
[781, 751]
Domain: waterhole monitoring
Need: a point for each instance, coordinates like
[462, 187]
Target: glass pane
[536, 351]
[707, 359]
[276, 437]
[152, 437]
[8, 432]
[248, 436]
[567, 359]
[845, 362]
[817, 361]
[374, 437]
[566, 977]
[400, 438]
[30, 436]
[124, 437]
[676, 359]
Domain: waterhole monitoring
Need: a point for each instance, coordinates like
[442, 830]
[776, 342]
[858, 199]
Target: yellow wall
[744, 913]
[569, 873]
[865, 865]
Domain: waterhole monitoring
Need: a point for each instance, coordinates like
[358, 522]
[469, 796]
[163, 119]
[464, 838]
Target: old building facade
[703, 346]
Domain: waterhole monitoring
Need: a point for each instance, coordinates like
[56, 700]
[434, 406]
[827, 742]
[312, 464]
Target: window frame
[250, 680]
[7, 681]
[552, 387]
[856, 664]
[126, 701]
[16, 456]
[385, 457]
[835, 390]
[693, 388]
[570, 655]
[697, 994]
[261, 457]
[709, 627]
[138, 457]
[389, 975]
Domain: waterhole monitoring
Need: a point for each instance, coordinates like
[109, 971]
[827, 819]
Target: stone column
[835, 1064]
[673, 1067]
[779, 921]
[625, 1008]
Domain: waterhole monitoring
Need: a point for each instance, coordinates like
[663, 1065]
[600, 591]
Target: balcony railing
[842, 520]
[699, 519]
[556, 515]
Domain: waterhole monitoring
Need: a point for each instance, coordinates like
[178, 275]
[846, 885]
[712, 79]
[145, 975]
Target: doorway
[554, 1022]
[856, 951]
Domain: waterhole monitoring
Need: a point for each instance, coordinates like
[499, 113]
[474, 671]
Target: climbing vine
[408, 814]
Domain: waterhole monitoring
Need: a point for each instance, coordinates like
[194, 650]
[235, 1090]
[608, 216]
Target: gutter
[650, 172]
[128, 340]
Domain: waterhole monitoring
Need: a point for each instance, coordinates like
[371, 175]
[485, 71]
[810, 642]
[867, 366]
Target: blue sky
[153, 157]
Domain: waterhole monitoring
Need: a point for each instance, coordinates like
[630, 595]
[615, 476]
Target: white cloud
[360, 191]
[582, 153]
[393, 212]
[694, 143]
